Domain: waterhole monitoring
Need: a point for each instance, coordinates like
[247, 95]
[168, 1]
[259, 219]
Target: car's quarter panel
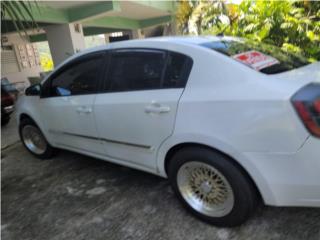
[130, 133]
[268, 126]
[243, 108]
[235, 110]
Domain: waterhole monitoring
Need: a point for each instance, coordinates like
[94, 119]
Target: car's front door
[67, 104]
[137, 112]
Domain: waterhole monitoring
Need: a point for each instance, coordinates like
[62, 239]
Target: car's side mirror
[33, 90]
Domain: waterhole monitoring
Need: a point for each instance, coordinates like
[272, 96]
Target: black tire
[245, 194]
[5, 120]
[49, 150]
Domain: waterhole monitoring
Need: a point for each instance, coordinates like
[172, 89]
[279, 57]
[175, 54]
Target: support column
[64, 40]
[106, 37]
[128, 32]
[137, 34]
[170, 29]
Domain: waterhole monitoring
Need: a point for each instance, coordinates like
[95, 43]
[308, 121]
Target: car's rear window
[259, 56]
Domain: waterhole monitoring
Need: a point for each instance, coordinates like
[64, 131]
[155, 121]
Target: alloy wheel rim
[205, 189]
[33, 139]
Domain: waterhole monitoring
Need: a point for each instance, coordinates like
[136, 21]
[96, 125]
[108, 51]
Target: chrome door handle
[156, 108]
[83, 109]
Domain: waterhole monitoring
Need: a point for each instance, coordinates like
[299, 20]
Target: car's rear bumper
[289, 179]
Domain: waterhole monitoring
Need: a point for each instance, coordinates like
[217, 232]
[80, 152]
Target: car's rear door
[67, 104]
[137, 111]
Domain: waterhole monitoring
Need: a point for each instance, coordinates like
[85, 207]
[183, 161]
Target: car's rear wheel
[211, 186]
[34, 140]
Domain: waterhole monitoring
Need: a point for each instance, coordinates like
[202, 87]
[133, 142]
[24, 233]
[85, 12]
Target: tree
[292, 25]
[193, 17]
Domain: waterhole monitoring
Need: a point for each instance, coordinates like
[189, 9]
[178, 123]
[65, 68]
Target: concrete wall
[23, 72]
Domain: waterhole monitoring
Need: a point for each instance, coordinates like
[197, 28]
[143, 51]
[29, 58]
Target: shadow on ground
[78, 197]
[9, 133]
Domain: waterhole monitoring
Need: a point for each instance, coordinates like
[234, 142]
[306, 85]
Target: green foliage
[45, 56]
[46, 62]
[292, 25]
[193, 17]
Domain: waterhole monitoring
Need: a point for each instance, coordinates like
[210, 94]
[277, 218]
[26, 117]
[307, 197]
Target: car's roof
[193, 40]
[185, 40]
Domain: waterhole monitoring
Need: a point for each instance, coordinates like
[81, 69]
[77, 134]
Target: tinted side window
[136, 70]
[79, 78]
[177, 70]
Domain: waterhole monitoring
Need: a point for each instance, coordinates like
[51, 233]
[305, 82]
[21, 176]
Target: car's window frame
[106, 76]
[46, 86]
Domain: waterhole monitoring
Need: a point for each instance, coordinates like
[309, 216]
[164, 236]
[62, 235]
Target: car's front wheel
[34, 140]
[211, 186]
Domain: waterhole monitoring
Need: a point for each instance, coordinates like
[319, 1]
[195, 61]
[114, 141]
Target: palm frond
[20, 14]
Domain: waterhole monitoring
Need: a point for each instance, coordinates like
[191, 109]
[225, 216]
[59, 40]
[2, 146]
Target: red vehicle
[7, 106]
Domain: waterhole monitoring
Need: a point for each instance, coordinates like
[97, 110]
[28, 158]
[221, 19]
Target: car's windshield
[259, 56]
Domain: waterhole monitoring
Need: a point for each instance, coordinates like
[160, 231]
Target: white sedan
[229, 121]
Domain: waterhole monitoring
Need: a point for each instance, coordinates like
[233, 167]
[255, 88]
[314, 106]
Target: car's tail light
[307, 104]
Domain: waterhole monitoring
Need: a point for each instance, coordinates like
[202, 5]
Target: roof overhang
[100, 16]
